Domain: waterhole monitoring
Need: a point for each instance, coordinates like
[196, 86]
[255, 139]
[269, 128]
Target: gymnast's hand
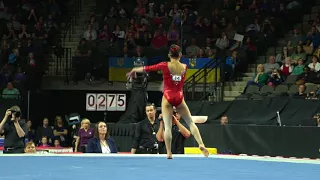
[131, 74]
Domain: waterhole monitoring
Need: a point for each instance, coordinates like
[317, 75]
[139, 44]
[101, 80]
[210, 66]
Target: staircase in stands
[234, 89]
[76, 36]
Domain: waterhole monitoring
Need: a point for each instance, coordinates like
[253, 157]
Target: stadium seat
[281, 90]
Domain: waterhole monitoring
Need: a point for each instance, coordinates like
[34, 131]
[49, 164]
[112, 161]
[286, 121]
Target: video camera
[141, 78]
[15, 113]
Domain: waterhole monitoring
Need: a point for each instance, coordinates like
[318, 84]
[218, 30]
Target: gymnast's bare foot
[204, 150]
[169, 156]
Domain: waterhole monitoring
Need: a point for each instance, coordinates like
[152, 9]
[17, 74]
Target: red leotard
[172, 89]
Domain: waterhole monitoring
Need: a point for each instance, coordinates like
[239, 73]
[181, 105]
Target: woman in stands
[174, 73]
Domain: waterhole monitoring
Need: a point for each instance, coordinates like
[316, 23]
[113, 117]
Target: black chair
[281, 90]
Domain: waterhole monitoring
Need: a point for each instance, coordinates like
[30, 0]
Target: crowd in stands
[296, 69]
[205, 29]
[59, 136]
[27, 29]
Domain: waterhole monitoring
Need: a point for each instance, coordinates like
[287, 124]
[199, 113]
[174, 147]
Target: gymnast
[174, 74]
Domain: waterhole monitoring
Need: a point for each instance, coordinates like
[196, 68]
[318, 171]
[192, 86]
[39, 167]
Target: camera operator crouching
[14, 131]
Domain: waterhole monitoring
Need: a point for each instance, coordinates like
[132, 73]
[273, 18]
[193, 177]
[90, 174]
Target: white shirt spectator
[315, 66]
[90, 35]
[222, 43]
[119, 34]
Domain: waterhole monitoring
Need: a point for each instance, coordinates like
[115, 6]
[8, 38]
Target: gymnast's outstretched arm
[156, 67]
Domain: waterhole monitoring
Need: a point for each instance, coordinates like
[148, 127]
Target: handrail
[202, 74]
[198, 73]
[72, 21]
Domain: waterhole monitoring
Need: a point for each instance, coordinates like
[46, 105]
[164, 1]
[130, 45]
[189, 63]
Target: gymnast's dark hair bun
[174, 51]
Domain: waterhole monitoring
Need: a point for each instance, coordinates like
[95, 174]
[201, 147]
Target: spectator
[138, 52]
[304, 77]
[269, 67]
[130, 41]
[90, 35]
[308, 48]
[50, 24]
[112, 12]
[299, 54]
[119, 33]
[275, 78]
[30, 134]
[84, 134]
[222, 43]
[192, 50]
[32, 15]
[159, 40]
[286, 68]
[15, 23]
[301, 92]
[14, 58]
[10, 92]
[4, 52]
[173, 35]
[105, 34]
[197, 27]
[44, 142]
[297, 37]
[57, 143]
[94, 24]
[24, 33]
[281, 57]
[125, 52]
[19, 77]
[60, 132]
[44, 130]
[231, 63]
[101, 142]
[40, 34]
[260, 79]
[315, 65]
[224, 120]
[82, 63]
[145, 41]
[162, 13]
[211, 53]
[30, 148]
[298, 69]
[10, 34]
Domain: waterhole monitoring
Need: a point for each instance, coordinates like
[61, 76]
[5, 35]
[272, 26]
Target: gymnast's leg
[167, 112]
[186, 115]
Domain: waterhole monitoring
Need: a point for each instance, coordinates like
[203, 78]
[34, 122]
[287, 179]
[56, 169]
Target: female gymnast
[174, 73]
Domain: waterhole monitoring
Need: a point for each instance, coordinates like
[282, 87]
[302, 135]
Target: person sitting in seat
[260, 79]
[10, 92]
[275, 78]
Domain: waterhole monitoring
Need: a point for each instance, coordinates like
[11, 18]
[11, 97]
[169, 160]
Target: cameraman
[179, 134]
[13, 130]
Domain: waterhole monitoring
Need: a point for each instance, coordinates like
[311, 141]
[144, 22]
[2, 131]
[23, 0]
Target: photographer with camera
[14, 131]
[179, 134]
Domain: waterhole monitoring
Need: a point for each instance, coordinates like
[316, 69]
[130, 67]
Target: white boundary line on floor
[234, 157]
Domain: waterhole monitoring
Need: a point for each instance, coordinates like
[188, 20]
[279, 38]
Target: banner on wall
[105, 102]
[119, 66]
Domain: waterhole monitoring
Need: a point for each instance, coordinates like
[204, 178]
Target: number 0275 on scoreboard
[105, 102]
